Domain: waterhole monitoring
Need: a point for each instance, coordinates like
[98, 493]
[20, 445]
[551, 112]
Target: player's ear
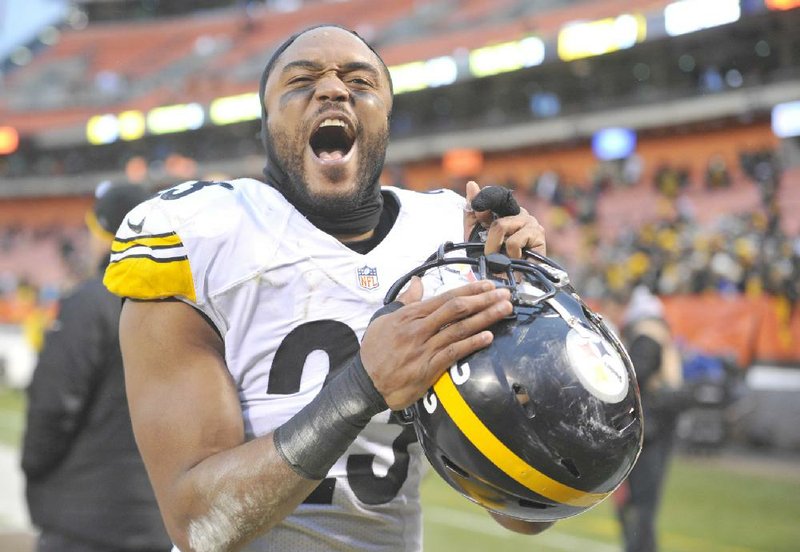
[262, 133]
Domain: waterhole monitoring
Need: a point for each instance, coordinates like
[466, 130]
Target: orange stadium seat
[366, 17]
[475, 11]
[141, 50]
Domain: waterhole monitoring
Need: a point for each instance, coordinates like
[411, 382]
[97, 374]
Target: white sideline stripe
[13, 508]
[486, 525]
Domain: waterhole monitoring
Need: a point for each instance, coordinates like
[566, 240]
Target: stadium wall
[749, 330]
[690, 148]
[36, 212]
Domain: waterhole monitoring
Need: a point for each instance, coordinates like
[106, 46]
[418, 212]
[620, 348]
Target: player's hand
[405, 351]
[516, 232]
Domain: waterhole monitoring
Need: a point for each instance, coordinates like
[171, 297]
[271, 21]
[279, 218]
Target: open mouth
[332, 140]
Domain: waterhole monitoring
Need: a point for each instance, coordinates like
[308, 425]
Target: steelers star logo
[597, 365]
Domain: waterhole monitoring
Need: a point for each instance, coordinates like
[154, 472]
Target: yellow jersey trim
[150, 267]
[503, 457]
[148, 278]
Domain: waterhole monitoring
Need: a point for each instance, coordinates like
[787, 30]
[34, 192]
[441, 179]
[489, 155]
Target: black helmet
[545, 422]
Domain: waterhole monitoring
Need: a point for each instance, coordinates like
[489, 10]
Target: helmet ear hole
[571, 467]
[524, 400]
[525, 503]
[454, 468]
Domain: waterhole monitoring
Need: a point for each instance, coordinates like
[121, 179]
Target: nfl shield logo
[368, 277]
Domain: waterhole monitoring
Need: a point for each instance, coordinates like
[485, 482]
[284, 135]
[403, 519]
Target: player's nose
[331, 88]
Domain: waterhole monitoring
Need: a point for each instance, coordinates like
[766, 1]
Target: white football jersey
[292, 304]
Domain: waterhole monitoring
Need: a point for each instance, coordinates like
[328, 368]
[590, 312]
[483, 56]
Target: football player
[261, 394]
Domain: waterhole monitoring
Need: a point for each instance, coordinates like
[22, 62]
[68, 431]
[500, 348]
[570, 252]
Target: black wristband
[314, 438]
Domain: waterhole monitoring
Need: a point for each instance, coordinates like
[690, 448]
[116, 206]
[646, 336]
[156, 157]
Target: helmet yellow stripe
[503, 457]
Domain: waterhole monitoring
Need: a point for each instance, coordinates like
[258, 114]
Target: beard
[289, 155]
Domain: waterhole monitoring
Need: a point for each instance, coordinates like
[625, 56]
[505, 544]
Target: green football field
[12, 416]
[711, 504]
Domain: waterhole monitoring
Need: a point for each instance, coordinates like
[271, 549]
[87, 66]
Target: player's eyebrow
[349, 67]
[301, 64]
[360, 66]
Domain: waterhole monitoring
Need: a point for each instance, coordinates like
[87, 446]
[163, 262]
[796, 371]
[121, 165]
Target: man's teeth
[330, 155]
[332, 122]
[334, 154]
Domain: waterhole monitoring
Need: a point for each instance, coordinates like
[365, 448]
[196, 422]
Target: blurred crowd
[36, 266]
[741, 253]
[744, 252]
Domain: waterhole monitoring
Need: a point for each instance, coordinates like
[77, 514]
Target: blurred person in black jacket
[659, 371]
[87, 489]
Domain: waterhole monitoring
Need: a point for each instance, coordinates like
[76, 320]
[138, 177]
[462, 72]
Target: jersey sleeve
[149, 260]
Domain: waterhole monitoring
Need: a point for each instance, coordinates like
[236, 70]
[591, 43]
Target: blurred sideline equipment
[544, 423]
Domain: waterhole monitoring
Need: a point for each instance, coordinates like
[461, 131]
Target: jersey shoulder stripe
[153, 264]
[155, 240]
[161, 248]
[183, 243]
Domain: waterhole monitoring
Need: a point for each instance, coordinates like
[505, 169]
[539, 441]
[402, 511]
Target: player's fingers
[471, 325]
[460, 323]
[470, 218]
[529, 236]
[472, 190]
[464, 337]
[427, 307]
[516, 233]
[499, 231]
[462, 307]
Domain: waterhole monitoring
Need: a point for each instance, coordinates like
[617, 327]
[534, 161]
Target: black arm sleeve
[314, 438]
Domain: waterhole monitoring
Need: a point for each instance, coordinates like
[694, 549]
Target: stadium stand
[592, 208]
